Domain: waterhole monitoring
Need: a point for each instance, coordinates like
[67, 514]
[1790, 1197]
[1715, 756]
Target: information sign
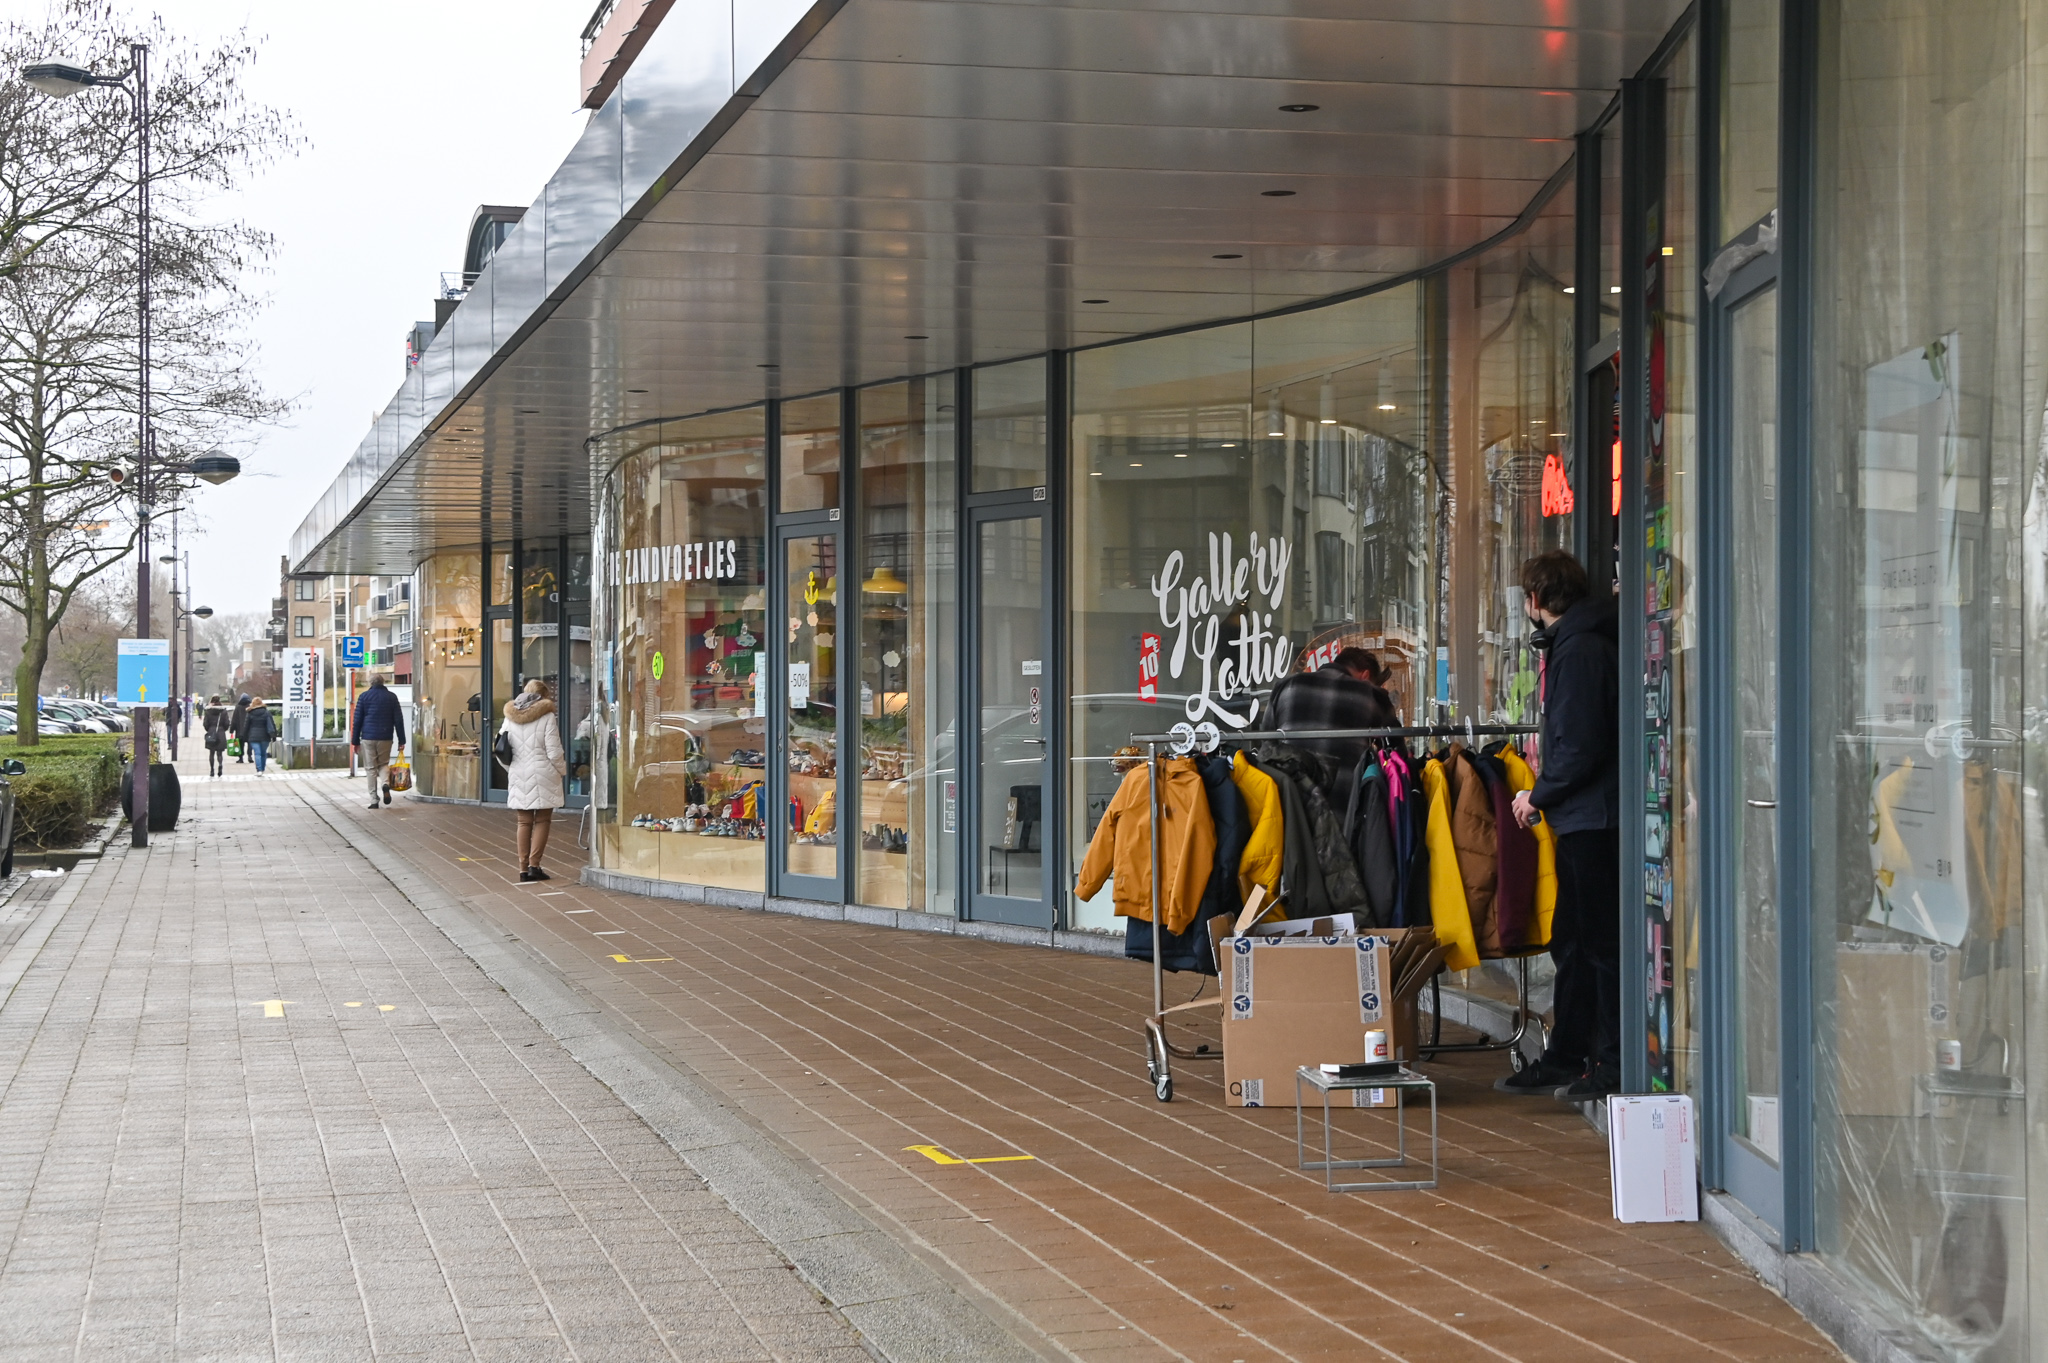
[355, 650]
[142, 671]
[301, 684]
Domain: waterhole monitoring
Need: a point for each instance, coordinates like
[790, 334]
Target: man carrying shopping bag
[379, 722]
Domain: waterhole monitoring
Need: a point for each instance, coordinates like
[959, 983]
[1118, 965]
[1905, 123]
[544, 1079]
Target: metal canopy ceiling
[921, 184]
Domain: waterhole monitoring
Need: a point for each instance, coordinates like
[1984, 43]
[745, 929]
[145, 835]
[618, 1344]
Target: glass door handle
[1039, 741]
[1761, 804]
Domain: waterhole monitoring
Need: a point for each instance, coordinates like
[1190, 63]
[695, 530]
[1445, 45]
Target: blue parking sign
[142, 671]
[354, 650]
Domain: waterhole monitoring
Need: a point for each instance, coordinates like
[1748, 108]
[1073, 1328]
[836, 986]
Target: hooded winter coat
[1579, 786]
[1265, 844]
[259, 724]
[1447, 911]
[1473, 833]
[533, 780]
[239, 720]
[1122, 845]
[1190, 950]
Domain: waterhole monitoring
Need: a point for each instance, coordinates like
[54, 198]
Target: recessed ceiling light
[1614, 288]
[1095, 300]
[1276, 193]
[1230, 444]
[917, 338]
[1229, 255]
[1569, 289]
[1299, 108]
[1182, 455]
[1136, 465]
[1386, 406]
[1095, 473]
[1329, 421]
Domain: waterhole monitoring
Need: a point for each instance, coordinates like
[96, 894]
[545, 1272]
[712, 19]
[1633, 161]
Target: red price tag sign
[1148, 668]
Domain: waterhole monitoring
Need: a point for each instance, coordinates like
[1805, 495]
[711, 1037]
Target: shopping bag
[234, 747]
[400, 775]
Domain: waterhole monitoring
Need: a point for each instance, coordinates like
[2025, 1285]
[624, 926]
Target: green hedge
[69, 780]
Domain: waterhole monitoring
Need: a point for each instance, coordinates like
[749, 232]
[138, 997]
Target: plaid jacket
[1331, 699]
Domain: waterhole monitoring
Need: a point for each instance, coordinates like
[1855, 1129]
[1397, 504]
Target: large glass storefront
[882, 646]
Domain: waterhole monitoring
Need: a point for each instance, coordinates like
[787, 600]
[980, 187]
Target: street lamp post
[61, 80]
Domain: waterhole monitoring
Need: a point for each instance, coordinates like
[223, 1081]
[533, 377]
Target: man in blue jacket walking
[379, 721]
[1578, 793]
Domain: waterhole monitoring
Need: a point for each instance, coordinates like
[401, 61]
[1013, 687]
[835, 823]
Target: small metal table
[1401, 1081]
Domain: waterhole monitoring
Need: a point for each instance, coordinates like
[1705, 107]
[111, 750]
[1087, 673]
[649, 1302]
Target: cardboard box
[1894, 1001]
[1294, 1001]
[1652, 1157]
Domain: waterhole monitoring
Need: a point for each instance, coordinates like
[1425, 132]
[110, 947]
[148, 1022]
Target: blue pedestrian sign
[354, 650]
[142, 671]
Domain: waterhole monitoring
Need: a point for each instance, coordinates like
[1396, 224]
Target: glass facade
[682, 599]
[448, 715]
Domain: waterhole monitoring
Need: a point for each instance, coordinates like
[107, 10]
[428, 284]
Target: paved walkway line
[902, 1307]
[29, 945]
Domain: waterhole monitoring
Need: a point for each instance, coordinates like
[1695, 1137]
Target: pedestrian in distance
[215, 721]
[1578, 793]
[237, 723]
[259, 731]
[378, 722]
[533, 777]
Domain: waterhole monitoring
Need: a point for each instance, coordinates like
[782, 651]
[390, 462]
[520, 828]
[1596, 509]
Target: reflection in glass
[810, 454]
[908, 658]
[683, 573]
[1749, 113]
[448, 723]
[810, 830]
[1009, 425]
[1753, 434]
[1013, 696]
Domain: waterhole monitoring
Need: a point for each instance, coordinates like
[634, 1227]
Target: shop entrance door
[1008, 720]
[800, 810]
[1751, 1061]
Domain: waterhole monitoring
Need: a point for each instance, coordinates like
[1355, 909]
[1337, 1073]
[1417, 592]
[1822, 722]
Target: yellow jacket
[1261, 862]
[1448, 911]
[1123, 844]
[1521, 778]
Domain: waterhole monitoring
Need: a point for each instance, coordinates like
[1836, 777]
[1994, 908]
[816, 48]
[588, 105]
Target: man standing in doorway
[378, 721]
[1578, 793]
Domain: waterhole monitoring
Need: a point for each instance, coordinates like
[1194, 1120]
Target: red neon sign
[1557, 487]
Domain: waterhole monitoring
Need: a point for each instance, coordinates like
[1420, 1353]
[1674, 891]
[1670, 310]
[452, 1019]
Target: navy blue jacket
[379, 718]
[1580, 788]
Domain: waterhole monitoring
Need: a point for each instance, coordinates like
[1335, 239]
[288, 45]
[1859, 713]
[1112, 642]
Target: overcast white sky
[414, 112]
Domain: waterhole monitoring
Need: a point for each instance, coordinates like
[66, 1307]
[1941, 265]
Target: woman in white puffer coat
[533, 778]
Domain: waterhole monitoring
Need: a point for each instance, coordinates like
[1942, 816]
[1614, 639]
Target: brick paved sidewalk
[1138, 1230]
[252, 1105]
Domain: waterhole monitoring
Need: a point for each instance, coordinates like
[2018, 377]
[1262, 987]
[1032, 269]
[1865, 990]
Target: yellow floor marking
[274, 1008]
[352, 1005]
[386, 1007]
[640, 960]
[938, 1156]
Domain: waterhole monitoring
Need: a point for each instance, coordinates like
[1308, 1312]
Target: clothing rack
[1206, 737]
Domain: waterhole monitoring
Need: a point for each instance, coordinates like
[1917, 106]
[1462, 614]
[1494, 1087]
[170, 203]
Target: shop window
[681, 564]
[1009, 426]
[810, 453]
[908, 660]
[448, 722]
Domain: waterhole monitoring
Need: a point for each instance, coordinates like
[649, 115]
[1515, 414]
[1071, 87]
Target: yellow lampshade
[884, 582]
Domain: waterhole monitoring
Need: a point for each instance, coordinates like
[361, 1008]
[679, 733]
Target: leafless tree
[68, 301]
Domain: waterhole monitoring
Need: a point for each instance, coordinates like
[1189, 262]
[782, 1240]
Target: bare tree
[68, 311]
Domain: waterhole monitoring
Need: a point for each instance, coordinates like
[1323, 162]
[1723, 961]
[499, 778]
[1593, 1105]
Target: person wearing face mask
[1578, 793]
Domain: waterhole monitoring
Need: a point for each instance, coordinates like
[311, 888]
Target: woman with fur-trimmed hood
[533, 778]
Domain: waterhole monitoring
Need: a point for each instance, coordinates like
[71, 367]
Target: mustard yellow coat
[1448, 911]
[1260, 864]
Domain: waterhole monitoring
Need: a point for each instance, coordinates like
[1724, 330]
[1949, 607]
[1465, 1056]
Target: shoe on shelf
[1540, 1078]
[528, 874]
[1590, 1087]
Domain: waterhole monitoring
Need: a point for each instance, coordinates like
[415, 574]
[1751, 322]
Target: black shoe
[538, 874]
[1538, 1079]
[387, 795]
[529, 874]
[373, 804]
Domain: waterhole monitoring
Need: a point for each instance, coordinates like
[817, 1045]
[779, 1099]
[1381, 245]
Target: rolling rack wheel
[1158, 1067]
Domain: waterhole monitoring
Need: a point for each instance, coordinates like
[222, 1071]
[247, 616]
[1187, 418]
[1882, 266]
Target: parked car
[48, 725]
[10, 767]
